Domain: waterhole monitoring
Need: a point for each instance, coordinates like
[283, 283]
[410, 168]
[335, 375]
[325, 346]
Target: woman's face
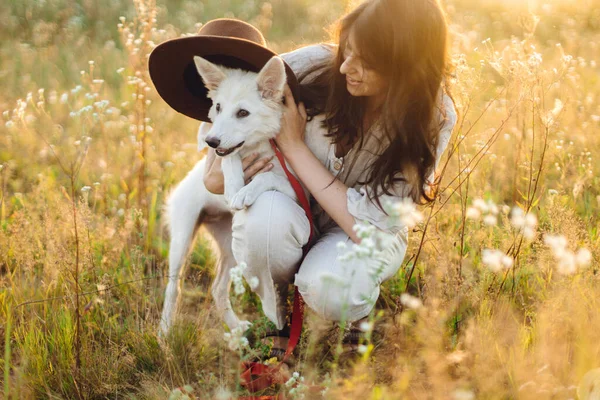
[360, 79]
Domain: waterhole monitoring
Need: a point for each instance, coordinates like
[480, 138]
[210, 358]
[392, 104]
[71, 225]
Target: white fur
[191, 204]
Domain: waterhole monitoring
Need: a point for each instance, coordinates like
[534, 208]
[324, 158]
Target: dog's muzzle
[224, 152]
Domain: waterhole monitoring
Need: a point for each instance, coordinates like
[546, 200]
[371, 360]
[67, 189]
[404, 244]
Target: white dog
[246, 113]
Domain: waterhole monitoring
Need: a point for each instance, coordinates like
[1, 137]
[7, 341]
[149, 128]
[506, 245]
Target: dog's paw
[243, 198]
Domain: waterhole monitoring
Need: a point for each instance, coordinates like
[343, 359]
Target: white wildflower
[473, 213]
[236, 274]
[535, 60]
[235, 339]
[583, 257]
[86, 189]
[367, 246]
[552, 192]
[463, 394]
[366, 326]
[253, 282]
[525, 223]
[567, 262]
[557, 243]
[481, 205]
[490, 220]
[496, 260]
[223, 394]
[406, 211]
[9, 124]
[362, 349]
[410, 301]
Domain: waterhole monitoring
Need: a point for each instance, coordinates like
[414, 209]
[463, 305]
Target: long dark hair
[406, 42]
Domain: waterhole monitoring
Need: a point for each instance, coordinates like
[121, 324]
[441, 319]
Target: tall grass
[88, 152]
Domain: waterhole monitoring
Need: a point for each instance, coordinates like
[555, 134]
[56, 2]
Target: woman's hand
[293, 124]
[213, 174]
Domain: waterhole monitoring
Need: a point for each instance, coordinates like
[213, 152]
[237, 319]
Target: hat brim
[174, 74]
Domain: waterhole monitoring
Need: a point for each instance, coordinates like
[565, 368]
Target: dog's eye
[218, 107]
[242, 113]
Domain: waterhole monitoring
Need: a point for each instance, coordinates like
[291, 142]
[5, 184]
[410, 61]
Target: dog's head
[247, 106]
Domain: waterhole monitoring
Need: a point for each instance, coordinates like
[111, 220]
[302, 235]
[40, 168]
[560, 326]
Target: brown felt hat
[228, 42]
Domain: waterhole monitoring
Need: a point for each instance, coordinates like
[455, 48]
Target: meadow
[501, 273]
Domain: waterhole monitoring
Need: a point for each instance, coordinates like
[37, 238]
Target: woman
[380, 99]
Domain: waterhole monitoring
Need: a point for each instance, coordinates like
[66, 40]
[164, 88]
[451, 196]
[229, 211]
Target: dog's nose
[213, 142]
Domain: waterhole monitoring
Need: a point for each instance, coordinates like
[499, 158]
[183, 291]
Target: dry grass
[80, 297]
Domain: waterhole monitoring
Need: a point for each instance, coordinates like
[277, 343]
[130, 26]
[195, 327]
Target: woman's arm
[317, 179]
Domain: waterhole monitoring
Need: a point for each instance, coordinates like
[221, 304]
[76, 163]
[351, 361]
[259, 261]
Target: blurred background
[89, 152]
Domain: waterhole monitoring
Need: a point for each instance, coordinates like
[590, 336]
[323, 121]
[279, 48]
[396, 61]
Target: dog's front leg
[233, 175]
[262, 182]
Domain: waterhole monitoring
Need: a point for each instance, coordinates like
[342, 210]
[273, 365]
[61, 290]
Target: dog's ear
[211, 74]
[271, 79]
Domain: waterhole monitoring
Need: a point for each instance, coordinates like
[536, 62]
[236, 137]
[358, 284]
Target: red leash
[255, 375]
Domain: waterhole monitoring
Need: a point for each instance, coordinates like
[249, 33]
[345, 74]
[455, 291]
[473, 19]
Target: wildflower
[366, 248]
[236, 274]
[463, 394]
[9, 124]
[296, 386]
[223, 394]
[473, 213]
[496, 260]
[481, 205]
[535, 60]
[366, 326]
[253, 282]
[525, 223]
[583, 257]
[235, 339]
[64, 98]
[86, 189]
[120, 212]
[552, 192]
[567, 262]
[101, 288]
[490, 220]
[558, 243]
[362, 349]
[341, 246]
[411, 302]
[407, 212]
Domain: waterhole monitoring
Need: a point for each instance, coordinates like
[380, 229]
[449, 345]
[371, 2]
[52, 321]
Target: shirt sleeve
[302, 59]
[366, 209]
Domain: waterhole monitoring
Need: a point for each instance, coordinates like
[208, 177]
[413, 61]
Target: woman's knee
[337, 299]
